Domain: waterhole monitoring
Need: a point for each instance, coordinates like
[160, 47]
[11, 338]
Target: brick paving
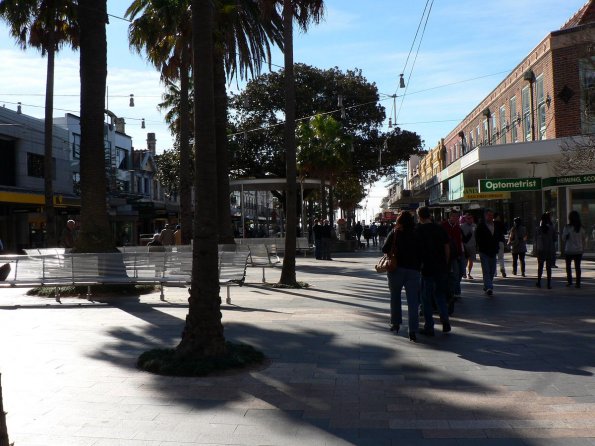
[517, 369]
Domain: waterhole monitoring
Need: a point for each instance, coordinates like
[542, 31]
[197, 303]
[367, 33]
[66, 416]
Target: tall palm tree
[162, 28]
[243, 36]
[203, 332]
[304, 12]
[95, 234]
[47, 26]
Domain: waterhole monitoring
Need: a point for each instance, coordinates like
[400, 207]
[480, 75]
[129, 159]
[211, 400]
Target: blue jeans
[397, 279]
[434, 288]
[488, 270]
[455, 275]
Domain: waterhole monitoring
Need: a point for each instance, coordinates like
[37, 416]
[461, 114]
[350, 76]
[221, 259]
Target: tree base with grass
[170, 362]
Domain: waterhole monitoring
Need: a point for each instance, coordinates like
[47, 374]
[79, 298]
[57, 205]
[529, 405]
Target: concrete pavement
[517, 369]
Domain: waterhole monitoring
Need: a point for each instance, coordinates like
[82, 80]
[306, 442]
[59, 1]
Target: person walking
[403, 239]
[358, 231]
[502, 231]
[544, 246]
[468, 227]
[435, 248]
[575, 240]
[487, 236]
[69, 235]
[317, 231]
[327, 239]
[166, 237]
[382, 233]
[455, 261]
[517, 240]
[374, 233]
[367, 235]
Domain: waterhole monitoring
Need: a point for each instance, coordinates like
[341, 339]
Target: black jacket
[488, 243]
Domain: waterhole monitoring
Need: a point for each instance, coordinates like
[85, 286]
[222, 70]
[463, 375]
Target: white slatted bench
[142, 268]
[262, 256]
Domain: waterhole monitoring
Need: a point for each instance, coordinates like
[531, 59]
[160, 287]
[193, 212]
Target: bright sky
[466, 50]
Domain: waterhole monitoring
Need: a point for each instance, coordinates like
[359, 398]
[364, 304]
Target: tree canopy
[256, 119]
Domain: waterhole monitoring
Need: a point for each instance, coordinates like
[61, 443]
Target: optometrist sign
[509, 184]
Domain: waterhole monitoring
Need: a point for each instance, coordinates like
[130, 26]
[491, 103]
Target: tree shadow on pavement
[328, 381]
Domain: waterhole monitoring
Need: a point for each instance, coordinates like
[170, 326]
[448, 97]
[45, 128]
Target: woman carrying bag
[403, 241]
[574, 237]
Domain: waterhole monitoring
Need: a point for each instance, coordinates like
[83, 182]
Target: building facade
[542, 111]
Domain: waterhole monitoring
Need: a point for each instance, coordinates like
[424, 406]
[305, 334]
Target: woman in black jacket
[405, 243]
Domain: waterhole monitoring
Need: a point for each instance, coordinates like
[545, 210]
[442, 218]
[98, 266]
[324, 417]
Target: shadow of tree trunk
[3, 428]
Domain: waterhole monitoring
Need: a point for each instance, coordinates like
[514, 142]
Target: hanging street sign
[509, 184]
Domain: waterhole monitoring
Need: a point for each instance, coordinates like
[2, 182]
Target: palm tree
[95, 234]
[163, 31]
[323, 153]
[203, 332]
[46, 26]
[304, 12]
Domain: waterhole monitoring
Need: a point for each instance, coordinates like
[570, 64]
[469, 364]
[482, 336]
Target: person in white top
[574, 238]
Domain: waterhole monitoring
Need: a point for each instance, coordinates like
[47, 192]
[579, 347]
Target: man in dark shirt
[434, 271]
[327, 235]
[487, 237]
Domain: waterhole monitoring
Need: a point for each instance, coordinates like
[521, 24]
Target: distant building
[22, 200]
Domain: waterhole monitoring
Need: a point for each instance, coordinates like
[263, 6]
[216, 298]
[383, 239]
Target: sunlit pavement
[517, 368]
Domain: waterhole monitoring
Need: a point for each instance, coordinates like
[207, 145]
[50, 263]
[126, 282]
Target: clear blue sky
[467, 48]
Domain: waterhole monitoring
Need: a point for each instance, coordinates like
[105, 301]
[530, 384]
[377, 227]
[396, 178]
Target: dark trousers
[516, 258]
[548, 269]
[577, 268]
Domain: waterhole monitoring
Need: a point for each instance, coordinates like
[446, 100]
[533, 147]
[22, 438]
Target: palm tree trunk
[48, 162]
[3, 429]
[223, 210]
[288, 272]
[185, 177]
[95, 234]
[203, 333]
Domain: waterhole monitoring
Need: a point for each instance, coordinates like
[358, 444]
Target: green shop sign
[509, 184]
[588, 178]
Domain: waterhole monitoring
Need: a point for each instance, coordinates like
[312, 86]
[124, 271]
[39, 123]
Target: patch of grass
[96, 290]
[296, 286]
[168, 362]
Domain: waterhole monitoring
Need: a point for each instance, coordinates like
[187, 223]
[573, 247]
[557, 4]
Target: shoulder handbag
[388, 262]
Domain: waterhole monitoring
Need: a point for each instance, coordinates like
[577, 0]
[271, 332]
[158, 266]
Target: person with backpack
[517, 240]
[575, 240]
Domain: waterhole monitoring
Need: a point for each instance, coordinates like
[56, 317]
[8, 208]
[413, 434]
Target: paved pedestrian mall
[517, 368]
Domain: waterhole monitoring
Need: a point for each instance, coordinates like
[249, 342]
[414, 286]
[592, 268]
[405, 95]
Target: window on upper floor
[587, 79]
[503, 126]
[478, 136]
[471, 140]
[147, 187]
[541, 107]
[76, 146]
[485, 132]
[514, 131]
[495, 131]
[122, 158]
[35, 166]
[526, 113]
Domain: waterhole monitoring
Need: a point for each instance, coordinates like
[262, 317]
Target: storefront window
[583, 201]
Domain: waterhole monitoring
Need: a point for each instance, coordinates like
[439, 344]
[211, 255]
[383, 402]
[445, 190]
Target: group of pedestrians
[424, 261]
[323, 236]
[431, 260]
